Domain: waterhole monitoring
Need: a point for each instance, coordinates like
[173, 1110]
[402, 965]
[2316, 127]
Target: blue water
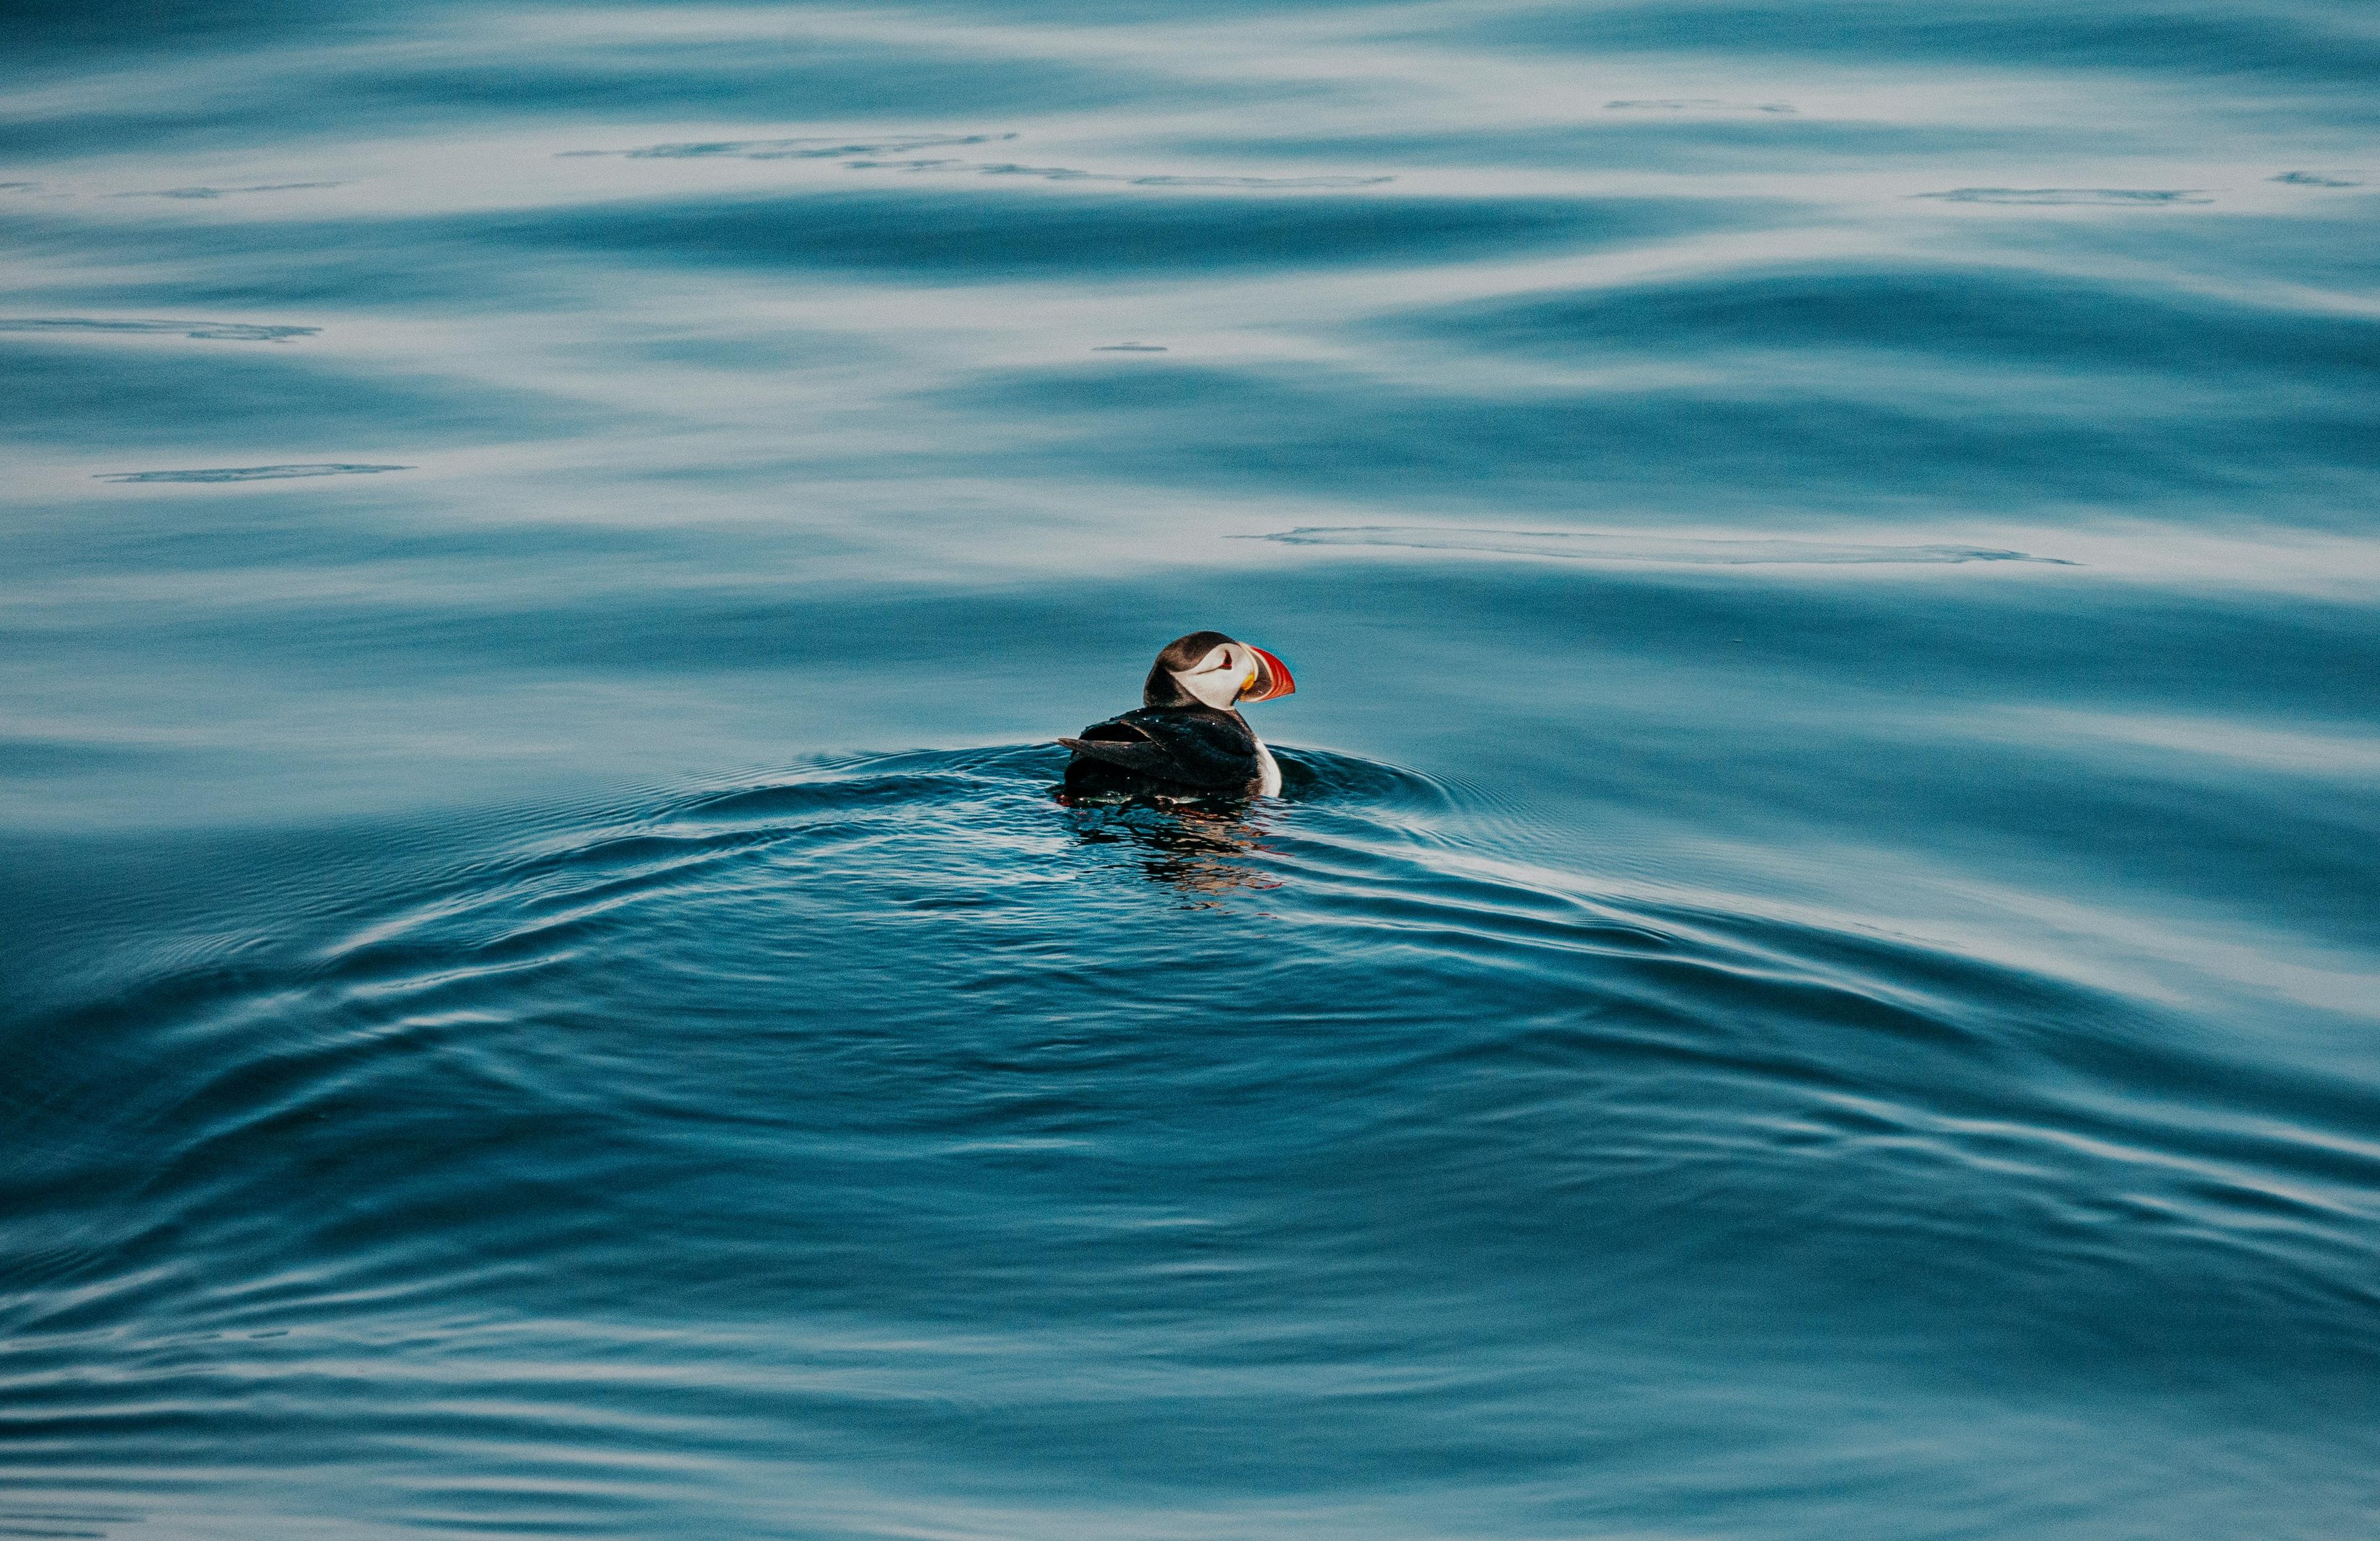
[1817, 973]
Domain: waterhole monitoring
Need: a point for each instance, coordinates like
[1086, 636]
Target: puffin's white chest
[1268, 772]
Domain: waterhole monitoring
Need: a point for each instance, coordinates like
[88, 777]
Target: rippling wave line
[1631, 546]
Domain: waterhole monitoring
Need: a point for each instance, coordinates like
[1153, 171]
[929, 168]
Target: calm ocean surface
[1816, 975]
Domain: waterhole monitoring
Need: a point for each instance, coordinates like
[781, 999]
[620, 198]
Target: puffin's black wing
[1209, 750]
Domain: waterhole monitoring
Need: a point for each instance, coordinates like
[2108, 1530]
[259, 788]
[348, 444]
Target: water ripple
[1641, 546]
[236, 332]
[1696, 105]
[250, 473]
[207, 192]
[2119, 198]
[661, 1198]
[791, 150]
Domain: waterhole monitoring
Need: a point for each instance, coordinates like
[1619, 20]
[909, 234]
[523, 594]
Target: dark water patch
[275, 530]
[474, 261]
[2056, 800]
[2322, 45]
[979, 237]
[184, 396]
[1986, 317]
[2315, 179]
[279, 100]
[1750, 442]
[24, 756]
[2116, 198]
[1129, 348]
[354, 264]
[801, 78]
[236, 332]
[1641, 546]
[62, 37]
[249, 473]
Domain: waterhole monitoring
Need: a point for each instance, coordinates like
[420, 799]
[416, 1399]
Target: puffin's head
[1206, 668]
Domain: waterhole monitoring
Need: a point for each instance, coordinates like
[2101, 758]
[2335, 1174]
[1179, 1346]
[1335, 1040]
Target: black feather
[1180, 750]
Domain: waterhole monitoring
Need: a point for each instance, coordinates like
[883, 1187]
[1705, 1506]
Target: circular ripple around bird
[889, 1106]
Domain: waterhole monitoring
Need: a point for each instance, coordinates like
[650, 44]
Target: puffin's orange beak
[1272, 679]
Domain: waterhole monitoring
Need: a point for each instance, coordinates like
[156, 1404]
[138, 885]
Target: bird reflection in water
[1192, 847]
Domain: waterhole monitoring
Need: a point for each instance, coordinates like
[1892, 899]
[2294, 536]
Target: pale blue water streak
[1814, 975]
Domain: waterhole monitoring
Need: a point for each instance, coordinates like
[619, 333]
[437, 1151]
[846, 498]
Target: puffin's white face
[1232, 672]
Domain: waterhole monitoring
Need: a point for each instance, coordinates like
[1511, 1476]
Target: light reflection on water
[1813, 974]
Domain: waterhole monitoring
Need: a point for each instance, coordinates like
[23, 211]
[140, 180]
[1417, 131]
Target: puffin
[1187, 740]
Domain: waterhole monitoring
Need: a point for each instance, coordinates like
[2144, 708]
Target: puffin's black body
[1177, 745]
[1179, 751]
